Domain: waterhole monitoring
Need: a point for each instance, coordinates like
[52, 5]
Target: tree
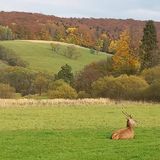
[72, 52]
[66, 74]
[55, 47]
[91, 73]
[6, 91]
[5, 33]
[124, 60]
[19, 78]
[41, 83]
[149, 53]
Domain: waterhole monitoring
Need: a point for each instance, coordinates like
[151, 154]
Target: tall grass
[69, 102]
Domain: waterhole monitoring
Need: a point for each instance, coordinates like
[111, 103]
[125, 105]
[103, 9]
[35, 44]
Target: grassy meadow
[78, 132]
[40, 56]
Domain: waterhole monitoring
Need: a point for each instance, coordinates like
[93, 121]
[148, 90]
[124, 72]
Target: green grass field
[41, 58]
[78, 133]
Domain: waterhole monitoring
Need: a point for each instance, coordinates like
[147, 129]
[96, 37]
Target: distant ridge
[31, 25]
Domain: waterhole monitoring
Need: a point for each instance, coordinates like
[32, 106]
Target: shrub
[91, 73]
[83, 94]
[153, 91]
[152, 74]
[6, 91]
[72, 52]
[19, 78]
[123, 87]
[61, 89]
[11, 58]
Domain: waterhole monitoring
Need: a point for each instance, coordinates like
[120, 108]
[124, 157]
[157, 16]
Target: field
[40, 56]
[77, 132]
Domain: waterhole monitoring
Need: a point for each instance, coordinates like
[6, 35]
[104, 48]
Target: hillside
[39, 26]
[40, 56]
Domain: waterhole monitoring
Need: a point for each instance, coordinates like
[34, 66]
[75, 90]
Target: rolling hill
[40, 56]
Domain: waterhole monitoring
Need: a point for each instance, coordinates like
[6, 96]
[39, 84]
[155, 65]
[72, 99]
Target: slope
[40, 56]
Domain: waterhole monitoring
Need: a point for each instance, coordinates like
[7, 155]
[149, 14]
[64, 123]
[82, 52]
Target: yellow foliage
[124, 59]
[71, 30]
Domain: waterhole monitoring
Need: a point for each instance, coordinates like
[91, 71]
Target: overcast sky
[137, 9]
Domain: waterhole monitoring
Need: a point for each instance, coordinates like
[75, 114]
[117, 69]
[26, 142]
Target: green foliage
[11, 58]
[5, 33]
[151, 74]
[61, 89]
[65, 73]
[6, 91]
[72, 52]
[149, 53]
[92, 51]
[123, 87]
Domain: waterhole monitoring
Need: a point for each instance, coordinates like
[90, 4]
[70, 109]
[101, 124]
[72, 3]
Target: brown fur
[127, 133]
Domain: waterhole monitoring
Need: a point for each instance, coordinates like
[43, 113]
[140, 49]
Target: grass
[78, 133]
[41, 58]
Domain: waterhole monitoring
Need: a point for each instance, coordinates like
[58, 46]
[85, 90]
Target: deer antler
[126, 114]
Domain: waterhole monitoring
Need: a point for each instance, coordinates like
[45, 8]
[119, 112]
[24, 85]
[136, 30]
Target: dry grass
[55, 102]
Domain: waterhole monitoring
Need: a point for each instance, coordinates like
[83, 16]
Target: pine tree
[66, 74]
[149, 53]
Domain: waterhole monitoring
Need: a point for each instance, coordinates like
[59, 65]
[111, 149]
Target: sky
[119, 9]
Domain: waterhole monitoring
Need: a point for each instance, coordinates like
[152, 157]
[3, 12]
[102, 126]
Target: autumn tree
[91, 73]
[149, 53]
[124, 60]
[41, 83]
[5, 33]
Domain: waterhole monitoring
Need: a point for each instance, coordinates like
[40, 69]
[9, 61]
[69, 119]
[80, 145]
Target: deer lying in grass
[128, 132]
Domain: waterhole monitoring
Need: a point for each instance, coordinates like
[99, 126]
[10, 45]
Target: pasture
[77, 131]
[40, 56]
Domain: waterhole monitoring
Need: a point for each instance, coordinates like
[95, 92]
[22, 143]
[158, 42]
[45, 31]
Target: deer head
[131, 123]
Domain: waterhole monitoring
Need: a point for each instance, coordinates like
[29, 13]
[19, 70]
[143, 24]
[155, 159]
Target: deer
[126, 133]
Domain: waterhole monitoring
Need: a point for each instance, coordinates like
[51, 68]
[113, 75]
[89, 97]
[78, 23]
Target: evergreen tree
[65, 73]
[149, 53]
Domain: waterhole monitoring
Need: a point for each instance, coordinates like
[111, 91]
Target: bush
[72, 52]
[6, 91]
[61, 89]
[83, 94]
[123, 87]
[152, 74]
[91, 73]
[19, 78]
[153, 91]
[11, 58]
